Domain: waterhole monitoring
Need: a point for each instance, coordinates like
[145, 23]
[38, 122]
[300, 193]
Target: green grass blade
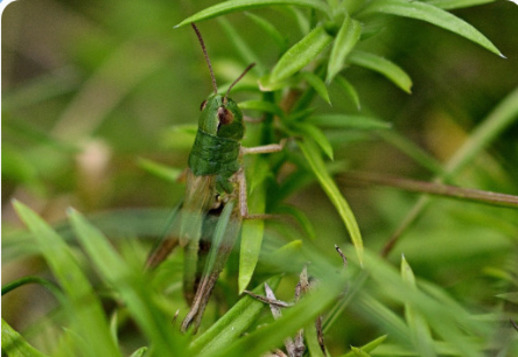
[368, 347]
[241, 5]
[165, 172]
[457, 4]
[350, 91]
[301, 54]
[89, 319]
[317, 84]
[262, 106]
[14, 345]
[305, 311]
[233, 324]
[131, 285]
[318, 167]
[346, 39]
[280, 40]
[246, 53]
[419, 329]
[253, 229]
[382, 66]
[310, 130]
[346, 121]
[434, 15]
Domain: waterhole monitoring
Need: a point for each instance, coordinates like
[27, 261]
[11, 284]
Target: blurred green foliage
[95, 93]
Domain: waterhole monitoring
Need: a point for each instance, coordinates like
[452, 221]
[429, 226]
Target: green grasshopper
[215, 191]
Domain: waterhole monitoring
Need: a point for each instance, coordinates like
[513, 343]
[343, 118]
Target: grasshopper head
[220, 116]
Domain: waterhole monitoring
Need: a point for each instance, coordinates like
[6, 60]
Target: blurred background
[90, 88]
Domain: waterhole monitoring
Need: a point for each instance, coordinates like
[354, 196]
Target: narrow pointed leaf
[271, 30]
[368, 347]
[419, 329]
[383, 66]
[349, 90]
[318, 167]
[14, 345]
[233, 324]
[346, 121]
[318, 136]
[434, 15]
[301, 54]
[129, 284]
[253, 229]
[244, 50]
[90, 322]
[262, 106]
[346, 39]
[317, 84]
[457, 4]
[240, 5]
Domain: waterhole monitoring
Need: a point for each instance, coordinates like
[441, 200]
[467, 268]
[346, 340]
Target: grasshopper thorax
[221, 117]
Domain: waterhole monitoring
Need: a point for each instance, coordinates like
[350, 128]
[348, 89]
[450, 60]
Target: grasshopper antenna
[250, 66]
[198, 34]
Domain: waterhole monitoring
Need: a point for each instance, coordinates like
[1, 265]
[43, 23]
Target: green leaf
[348, 36]
[318, 167]
[300, 217]
[301, 54]
[14, 345]
[383, 66]
[89, 319]
[369, 346]
[309, 130]
[246, 53]
[457, 4]
[130, 284]
[311, 337]
[419, 329]
[271, 30]
[262, 106]
[345, 121]
[253, 229]
[434, 15]
[259, 341]
[233, 324]
[317, 84]
[168, 173]
[141, 352]
[240, 5]
[349, 90]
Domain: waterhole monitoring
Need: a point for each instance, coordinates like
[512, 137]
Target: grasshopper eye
[225, 116]
[203, 105]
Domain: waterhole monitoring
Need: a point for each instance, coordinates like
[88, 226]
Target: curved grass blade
[131, 286]
[349, 90]
[434, 15]
[88, 319]
[305, 311]
[310, 130]
[262, 106]
[270, 29]
[301, 54]
[233, 324]
[318, 167]
[240, 5]
[346, 121]
[253, 229]
[419, 329]
[317, 84]
[383, 66]
[457, 4]
[368, 347]
[246, 53]
[346, 39]
[14, 345]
